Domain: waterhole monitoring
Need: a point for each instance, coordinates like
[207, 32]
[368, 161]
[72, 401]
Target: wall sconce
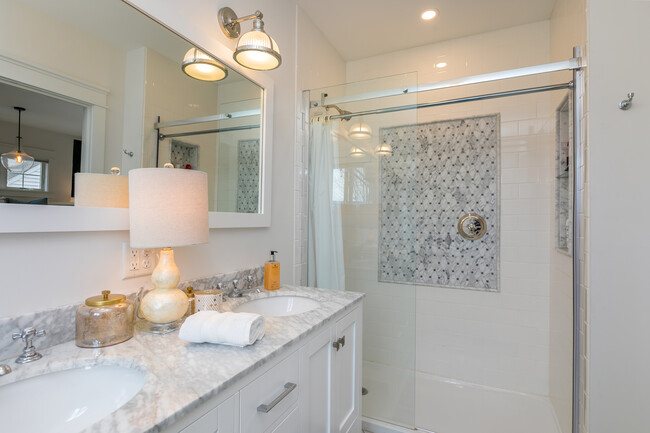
[17, 161]
[357, 152]
[200, 66]
[255, 49]
[384, 149]
[360, 131]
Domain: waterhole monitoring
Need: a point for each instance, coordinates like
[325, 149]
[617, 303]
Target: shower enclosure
[452, 206]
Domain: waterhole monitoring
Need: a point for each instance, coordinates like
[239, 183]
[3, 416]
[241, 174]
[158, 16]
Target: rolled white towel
[233, 329]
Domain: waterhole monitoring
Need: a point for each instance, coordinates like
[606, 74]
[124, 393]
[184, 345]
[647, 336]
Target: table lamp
[101, 190]
[167, 208]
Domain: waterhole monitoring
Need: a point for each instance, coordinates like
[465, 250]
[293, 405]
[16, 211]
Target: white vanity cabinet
[314, 389]
[330, 375]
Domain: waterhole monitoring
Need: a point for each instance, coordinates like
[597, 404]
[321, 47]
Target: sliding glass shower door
[374, 263]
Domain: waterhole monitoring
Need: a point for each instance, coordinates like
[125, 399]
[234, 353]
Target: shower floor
[448, 406]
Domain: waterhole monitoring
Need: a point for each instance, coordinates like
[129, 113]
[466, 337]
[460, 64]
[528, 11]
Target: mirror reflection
[165, 102]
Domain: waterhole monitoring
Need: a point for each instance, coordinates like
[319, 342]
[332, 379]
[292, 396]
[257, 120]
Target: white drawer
[264, 391]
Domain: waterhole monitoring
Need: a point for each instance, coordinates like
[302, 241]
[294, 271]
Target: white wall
[68, 267]
[618, 379]
[494, 339]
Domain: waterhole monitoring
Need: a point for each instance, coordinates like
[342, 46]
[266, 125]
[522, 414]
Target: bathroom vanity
[303, 376]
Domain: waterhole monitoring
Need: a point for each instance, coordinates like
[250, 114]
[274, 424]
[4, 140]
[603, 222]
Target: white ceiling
[366, 28]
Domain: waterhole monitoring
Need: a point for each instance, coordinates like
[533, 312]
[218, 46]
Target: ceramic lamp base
[165, 303]
[158, 328]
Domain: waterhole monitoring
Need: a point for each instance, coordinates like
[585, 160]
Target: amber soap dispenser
[272, 273]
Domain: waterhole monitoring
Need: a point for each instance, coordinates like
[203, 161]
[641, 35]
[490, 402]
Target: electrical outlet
[137, 262]
[146, 262]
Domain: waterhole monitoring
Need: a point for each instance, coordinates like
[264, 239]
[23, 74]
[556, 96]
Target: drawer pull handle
[266, 408]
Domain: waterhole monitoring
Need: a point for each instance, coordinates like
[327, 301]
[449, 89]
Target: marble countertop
[179, 376]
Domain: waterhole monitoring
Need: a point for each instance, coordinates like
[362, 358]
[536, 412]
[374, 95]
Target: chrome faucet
[237, 293]
[29, 352]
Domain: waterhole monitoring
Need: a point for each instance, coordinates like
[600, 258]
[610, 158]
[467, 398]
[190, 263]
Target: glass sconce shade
[360, 131]
[257, 50]
[17, 161]
[384, 149]
[356, 152]
[202, 67]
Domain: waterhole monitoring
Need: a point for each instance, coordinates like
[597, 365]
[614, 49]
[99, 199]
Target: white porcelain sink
[66, 401]
[275, 306]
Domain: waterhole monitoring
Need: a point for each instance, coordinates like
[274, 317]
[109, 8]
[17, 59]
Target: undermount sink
[67, 401]
[275, 306]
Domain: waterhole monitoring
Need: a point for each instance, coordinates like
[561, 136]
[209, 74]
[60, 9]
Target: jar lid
[105, 299]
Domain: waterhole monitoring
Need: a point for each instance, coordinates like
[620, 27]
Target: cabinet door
[315, 375]
[221, 419]
[346, 372]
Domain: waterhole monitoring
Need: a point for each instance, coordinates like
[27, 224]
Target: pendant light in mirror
[17, 161]
[255, 49]
[200, 66]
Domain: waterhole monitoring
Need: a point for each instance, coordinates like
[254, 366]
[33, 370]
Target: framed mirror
[103, 85]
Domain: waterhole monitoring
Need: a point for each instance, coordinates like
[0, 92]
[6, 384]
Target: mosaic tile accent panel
[248, 178]
[184, 154]
[439, 172]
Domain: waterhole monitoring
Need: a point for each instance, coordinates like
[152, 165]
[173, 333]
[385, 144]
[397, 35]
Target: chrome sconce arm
[255, 48]
[229, 22]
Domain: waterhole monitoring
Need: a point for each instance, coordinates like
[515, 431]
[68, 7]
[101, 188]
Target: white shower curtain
[325, 263]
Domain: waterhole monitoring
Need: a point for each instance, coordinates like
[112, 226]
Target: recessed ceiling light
[429, 14]
[441, 65]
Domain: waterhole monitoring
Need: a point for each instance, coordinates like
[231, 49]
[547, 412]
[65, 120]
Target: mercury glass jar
[104, 320]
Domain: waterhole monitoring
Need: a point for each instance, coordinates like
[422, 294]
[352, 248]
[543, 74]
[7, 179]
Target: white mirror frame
[18, 218]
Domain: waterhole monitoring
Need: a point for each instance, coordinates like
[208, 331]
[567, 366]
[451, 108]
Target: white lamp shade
[101, 190]
[168, 207]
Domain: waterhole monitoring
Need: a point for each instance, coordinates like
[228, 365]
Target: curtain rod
[347, 116]
[207, 131]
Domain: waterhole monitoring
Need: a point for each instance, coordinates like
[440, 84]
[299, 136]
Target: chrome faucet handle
[249, 282]
[29, 352]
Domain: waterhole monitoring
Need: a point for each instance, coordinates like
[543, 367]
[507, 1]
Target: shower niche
[564, 176]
